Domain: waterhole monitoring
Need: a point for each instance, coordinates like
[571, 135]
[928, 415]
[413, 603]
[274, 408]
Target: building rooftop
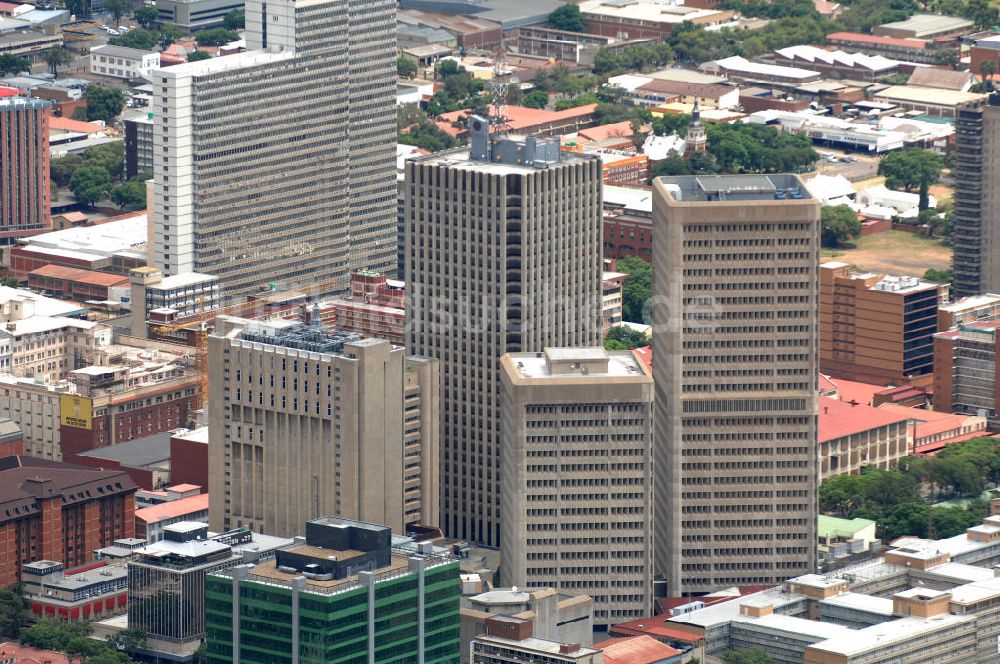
[861, 602]
[735, 188]
[41, 324]
[799, 626]
[509, 13]
[100, 240]
[741, 65]
[971, 302]
[635, 650]
[173, 509]
[121, 51]
[936, 77]
[136, 453]
[838, 418]
[809, 53]
[182, 280]
[831, 526]
[874, 40]
[538, 646]
[929, 24]
[91, 277]
[593, 362]
[976, 591]
[933, 96]
[644, 10]
[24, 479]
[44, 306]
[856, 641]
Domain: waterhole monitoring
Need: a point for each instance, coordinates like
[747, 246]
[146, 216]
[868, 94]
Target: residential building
[645, 19]
[122, 62]
[374, 308]
[313, 171]
[965, 371]
[557, 616]
[354, 421]
[539, 209]
[75, 284]
[90, 592]
[344, 592]
[167, 581]
[976, 237]
[138, 144]
[735, 363]
[576, 477]
[854, 436]
[193, 15]
[151, 522]
[24, 168]
[510, 640]
[58, 511]
[611, 300]
[876, 328]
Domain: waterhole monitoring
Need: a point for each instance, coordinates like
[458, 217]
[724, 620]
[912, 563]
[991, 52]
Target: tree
[13, 612]
[425, 134]
[109, 156]
[624, 338]
[13, 64]
[61, 169]
[117, 9]
[139, 38]
[838, 223]
[235, 19]
[637, 288]
[53, 634]
[755, 656]
[131, 195]
[446, 68]
[536, 99]
[90, 184]
[567, 17]
[56, 57]
[674, 164]
[104, 103]
[405, 67]
[130, 640]
[910, 168]
[195, 56]
[169, 33]
[938, 276]
[146, 16]
[215, 37]
[77, 7]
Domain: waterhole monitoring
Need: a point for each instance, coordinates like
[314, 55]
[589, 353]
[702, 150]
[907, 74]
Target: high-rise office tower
[736, 322]
[277, 165]
[503, 254]
[976, 234]
[576, 477]
[310, 422]
[24, 168]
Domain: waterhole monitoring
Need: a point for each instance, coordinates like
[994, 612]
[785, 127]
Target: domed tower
[696, 140]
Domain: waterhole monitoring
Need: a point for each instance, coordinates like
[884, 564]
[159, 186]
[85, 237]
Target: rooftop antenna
[499, 87]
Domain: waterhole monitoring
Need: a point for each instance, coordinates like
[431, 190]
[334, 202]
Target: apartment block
[346, 592]
[123, 62]
[24, 168]
[309, 421]
[503, 254]
[735, 355]
[965, 371]
[60, 512]
[976, 235]
[138, 144]
[275, 165]
[968, 309]
[577, 477]
[876, 328]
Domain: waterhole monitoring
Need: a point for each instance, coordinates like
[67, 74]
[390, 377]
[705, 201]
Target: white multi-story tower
[503, 254]
[277, 165]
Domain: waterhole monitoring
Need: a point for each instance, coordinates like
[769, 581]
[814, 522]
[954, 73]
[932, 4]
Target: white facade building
[122, 62]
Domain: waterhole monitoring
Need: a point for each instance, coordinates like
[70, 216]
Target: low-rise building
[931, 101]
[375, 307]
[628, 223]
[837, 63]
[645, 19]
[114, 246]
[510, 640]
[909, 50]
[925, 26]
[967, 310]
[57, 511]
[75, 284]
[145, 459]
[638, 650]
[855, 436]
[739, 68]
[15, 652]
[578, 47]
[123, 62]
[151, 522]
[844, 537]
[90, 592]
[932, 430]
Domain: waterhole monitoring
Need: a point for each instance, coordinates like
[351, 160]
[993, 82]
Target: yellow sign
[76, 411]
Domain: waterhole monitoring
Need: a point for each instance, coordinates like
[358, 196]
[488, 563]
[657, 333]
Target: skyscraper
[503, 254]
[315, 422]
[735, 364]
[577, 477]
[24, 168]
[277, 165]
[976, 233]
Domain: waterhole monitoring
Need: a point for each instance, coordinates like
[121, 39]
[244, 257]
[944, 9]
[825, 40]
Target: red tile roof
[839, 418]
[180, 507]
[15, 652]
[69, 124]
[635, 650]
[518, 117]
[82, 276]
[860, 38]
[645, 355]
[852, 390]
[606, 131]
[9, 92]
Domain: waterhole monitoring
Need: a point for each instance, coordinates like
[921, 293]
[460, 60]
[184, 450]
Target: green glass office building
[356, 600]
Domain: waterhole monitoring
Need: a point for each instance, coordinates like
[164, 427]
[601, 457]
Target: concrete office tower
[503, 254]
[735, 362]
[307, 422]
[976, 235]
[276, 166]
[24, 169]
[577, 477]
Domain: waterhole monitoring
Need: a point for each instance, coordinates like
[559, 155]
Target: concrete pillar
[368, 579]
[419, 565]
[239, 573]
[298, 585]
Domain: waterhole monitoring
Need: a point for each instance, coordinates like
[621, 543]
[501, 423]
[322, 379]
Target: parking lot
[858, 167]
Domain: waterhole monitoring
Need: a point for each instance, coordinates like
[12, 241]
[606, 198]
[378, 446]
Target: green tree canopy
[142, 38]
[567, 17]
[118, 8]
[195, 56]
[909, 169]
[624, 338]
[61, 169]
[56, 57]
[747, 148]
[754, 656]
[104, 103]
[235, 19]
[169, 33]
[13, 64]
[405, 67]
[536, 99]
[109, 156]
[14, 613]
[938, 276]
[426, 135]
[838, 223]
[129, 195]
[146, 16]
[90, 184]
[637, 288]
[215, 37]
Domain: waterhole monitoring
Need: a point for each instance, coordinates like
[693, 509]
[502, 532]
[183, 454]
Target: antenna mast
[499, 86]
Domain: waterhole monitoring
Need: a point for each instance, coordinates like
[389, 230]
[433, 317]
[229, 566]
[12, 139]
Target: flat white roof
[931, 96]
[227, 63]
[878, 636]
[645, 10]
[39, 324]
[740, 64]
[100, 240]
[537, 645]
[799, 626]
[976, 591]
[861, 602]
[968, 573]
[727, 611]
[181, 280]
[621, 363]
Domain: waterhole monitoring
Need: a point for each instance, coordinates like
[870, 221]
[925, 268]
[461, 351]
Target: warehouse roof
[91, 277]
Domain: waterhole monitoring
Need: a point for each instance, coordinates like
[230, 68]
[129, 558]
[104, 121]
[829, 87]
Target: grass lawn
[893, 252]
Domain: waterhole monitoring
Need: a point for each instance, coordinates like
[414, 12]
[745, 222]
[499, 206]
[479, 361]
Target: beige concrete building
[503, 254]
[976, 237]
[735, 321]
[307, 422]
[577, 477]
